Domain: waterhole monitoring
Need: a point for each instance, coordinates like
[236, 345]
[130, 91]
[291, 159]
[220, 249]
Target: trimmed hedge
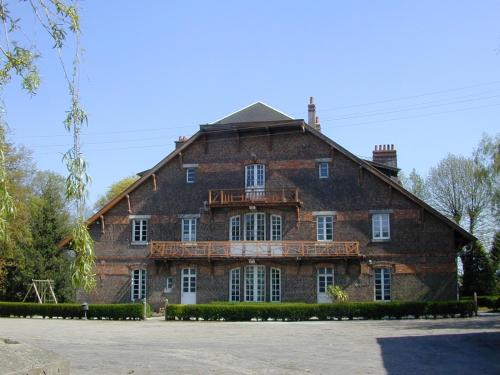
[72, 310]
[491, 302]
[329, 311]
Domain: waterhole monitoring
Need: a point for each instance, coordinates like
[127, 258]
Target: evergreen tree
[479, 273]
[50, 222]
[495, 258]
[41, 259]
[495, 250]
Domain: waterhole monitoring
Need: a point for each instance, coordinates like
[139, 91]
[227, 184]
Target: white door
[325, 279]
[255, 181]
[188, 294]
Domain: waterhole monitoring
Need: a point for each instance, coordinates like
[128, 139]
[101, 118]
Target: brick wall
[421, 250]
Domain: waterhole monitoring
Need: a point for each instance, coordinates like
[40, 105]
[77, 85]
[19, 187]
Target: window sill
[139, 243]
[380, 240]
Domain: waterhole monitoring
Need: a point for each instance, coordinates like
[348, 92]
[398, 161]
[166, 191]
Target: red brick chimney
[385, 154]
[313, 120]
[311, 112]
[180, 142]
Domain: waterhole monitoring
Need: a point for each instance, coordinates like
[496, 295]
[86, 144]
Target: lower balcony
[249, 249]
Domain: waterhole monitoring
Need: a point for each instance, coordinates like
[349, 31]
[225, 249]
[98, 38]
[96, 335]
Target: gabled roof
[145, 175]
[256, 112]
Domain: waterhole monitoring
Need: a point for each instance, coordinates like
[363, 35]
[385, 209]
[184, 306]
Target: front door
[325, 279]
[188, 294]
[255, 181]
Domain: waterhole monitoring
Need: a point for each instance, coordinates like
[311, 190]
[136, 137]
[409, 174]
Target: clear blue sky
[423, 75]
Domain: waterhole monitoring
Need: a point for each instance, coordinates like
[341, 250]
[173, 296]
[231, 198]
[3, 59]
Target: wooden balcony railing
[238, 197]
[249, 249]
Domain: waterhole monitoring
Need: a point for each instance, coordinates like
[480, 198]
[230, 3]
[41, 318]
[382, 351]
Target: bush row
[491, 302]
[303, 311]
[72, 310]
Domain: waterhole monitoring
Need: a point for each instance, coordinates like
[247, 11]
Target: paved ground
[444, 346]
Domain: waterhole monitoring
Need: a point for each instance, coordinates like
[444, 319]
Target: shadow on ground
[465, 323]
[469, 353]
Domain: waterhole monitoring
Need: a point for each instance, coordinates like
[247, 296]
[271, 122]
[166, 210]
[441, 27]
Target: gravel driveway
[444, 346]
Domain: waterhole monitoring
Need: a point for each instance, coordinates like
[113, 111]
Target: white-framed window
[255, 176]
[381, 226]
[255, 226]
[188, 229]
[190, 175]
[138, 285]
[382, 284]
[325, 279]
[324, 228]
[169, 284]
[276, 228]
[235, 228]
[234, 285]
[139, 231]
[275, 285]
[323, 170]
[255, 283]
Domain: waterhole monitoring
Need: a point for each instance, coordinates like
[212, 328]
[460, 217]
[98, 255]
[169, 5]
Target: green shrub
[72, 310]
[490, 302]
[337, 294]
[303, 311]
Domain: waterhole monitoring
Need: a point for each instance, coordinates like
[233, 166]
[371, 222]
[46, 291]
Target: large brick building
[258, 206]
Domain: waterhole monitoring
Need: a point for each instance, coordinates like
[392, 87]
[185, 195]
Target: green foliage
[82, 268]
[7, 208]
[47, 221]
[495, 251]
[490, 302]
[479, 274]
[414, 183]
[337, 294]
[303, 311]
[72, 310]
[18, 59]
[114, 190]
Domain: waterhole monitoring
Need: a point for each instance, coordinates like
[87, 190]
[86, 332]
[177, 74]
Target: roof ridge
[247, 107]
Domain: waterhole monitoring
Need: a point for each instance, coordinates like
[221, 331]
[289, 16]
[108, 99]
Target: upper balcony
[254, 197]
[253, 249]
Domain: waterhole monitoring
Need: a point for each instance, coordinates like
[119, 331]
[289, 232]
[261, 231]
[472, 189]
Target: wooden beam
[102, 223]
[154, 182]
[128, 204]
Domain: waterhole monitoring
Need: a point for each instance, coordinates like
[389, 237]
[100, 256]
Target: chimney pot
[182, 139]
[385, 154]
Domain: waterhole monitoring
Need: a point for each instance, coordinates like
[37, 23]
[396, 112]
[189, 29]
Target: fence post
[145, 308]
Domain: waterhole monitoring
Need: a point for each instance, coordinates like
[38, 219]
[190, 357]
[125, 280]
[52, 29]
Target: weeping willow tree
[18, 59]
